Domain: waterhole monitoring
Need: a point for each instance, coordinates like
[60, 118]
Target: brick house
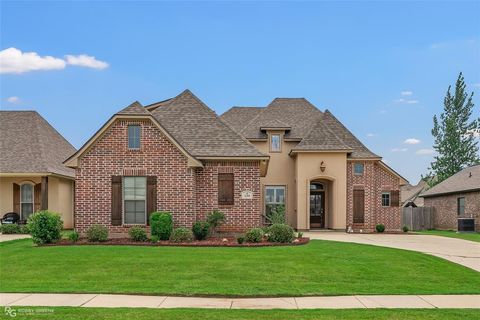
[456, 198]
[178, 155]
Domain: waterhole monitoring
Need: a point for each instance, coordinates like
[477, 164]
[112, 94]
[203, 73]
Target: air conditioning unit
[466, 224]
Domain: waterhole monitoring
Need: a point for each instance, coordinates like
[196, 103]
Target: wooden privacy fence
[420, 218]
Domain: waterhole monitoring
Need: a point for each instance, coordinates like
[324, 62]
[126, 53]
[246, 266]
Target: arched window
[26, 200]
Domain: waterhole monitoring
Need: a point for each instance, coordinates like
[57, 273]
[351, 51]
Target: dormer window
[275, 143]
[133, 137]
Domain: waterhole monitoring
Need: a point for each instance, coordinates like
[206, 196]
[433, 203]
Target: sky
[382, 68]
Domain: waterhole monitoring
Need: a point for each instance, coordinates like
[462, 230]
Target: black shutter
[116, 200]
[16, 198]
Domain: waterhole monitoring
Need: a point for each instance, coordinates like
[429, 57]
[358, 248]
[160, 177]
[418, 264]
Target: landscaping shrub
[254, 235]
[281, 233]
[74, 236]
[300, 235]
[24, 229]
[405, 229]
[10, 228]
[215, 219]
[380, 227]
[200, 230]
[181, 235]
[240, 239]
[45, 227]
[137, 234]
[97, 233]
[161, 224]
[154, 239]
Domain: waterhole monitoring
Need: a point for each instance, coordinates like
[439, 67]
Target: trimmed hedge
[45, 227]
[181, 235]
[97, 233]
[282, 233]
[254, 235]
[138, 234]
[380, 228]
[161, 224]
[200, 230]
[10, 228]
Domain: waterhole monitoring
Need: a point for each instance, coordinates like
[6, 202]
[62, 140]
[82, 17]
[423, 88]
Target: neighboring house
[410, 195]
[32, 176]
[178, 155]
[458, 197]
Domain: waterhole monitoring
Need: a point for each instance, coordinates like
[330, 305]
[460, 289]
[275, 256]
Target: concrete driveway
[8, 237]
[466, 253]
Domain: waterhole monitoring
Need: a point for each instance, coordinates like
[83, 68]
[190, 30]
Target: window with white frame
[385, 199]
[134, 137]
[26, 200]
[134, 200]
[274, 199]
[275, 142]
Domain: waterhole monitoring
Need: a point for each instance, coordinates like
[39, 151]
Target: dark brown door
[358, 206]
[317, 209]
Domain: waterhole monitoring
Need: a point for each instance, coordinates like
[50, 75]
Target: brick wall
[445, 209]
[374, 181]
[184, 191]
[245, 213]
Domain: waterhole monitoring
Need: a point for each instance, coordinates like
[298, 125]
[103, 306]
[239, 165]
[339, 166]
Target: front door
[317, 209]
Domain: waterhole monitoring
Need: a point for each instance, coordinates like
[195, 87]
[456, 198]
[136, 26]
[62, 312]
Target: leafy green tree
[454, 133]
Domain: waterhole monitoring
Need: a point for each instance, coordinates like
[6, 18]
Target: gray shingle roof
[238, 117]
[199, 130]
[466, 180]
[134, 109]
[316, 130]
[29, 144]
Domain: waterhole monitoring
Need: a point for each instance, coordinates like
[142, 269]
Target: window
[275, 144]
[225, 189]
[274, 199]
[460, 206]
[134, 200]
[26, 200]
[385, 199]
[358, 169]
[134, 137]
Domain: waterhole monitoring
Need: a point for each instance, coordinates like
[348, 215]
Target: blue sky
[381, 68]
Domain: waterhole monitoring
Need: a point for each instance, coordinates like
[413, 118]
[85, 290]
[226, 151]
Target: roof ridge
[40, 142]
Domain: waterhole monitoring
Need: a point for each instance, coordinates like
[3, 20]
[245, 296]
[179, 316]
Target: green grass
[319, 268]
[217, 314]
[473, 236]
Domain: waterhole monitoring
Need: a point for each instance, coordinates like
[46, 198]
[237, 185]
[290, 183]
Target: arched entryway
[320, 203]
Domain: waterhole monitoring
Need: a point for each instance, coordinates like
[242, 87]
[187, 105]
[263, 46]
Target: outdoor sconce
[322, 166]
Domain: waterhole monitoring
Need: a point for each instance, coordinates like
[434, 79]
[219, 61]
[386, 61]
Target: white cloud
[400, 100]
[412, 141]
[406, 93]
[13, 100]
[399, 149]
[13, 60]
[474, 132]
[84, 60]
[424, 152]
[411, 101]
[371, 135]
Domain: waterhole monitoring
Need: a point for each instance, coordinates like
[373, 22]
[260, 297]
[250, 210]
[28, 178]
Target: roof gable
[29, 144]
[200, 130]
[134, 109]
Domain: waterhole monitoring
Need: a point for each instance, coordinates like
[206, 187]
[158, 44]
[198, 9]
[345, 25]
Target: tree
[454, 133]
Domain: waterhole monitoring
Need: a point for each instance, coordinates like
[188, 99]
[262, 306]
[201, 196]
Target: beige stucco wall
[60, 196]
[307, 169]
[281, 172]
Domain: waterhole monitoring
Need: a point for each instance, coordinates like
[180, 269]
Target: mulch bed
[212, 242]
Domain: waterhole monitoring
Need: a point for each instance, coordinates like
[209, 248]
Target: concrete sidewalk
[464, 252]
[321, 302]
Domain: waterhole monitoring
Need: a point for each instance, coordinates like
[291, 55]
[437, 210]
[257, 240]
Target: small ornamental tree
[215, 219]
[45, 227]
[455, 135]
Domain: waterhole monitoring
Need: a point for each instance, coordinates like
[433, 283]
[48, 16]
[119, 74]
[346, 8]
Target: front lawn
[473, 236]
[200, 314]
[319, 268]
